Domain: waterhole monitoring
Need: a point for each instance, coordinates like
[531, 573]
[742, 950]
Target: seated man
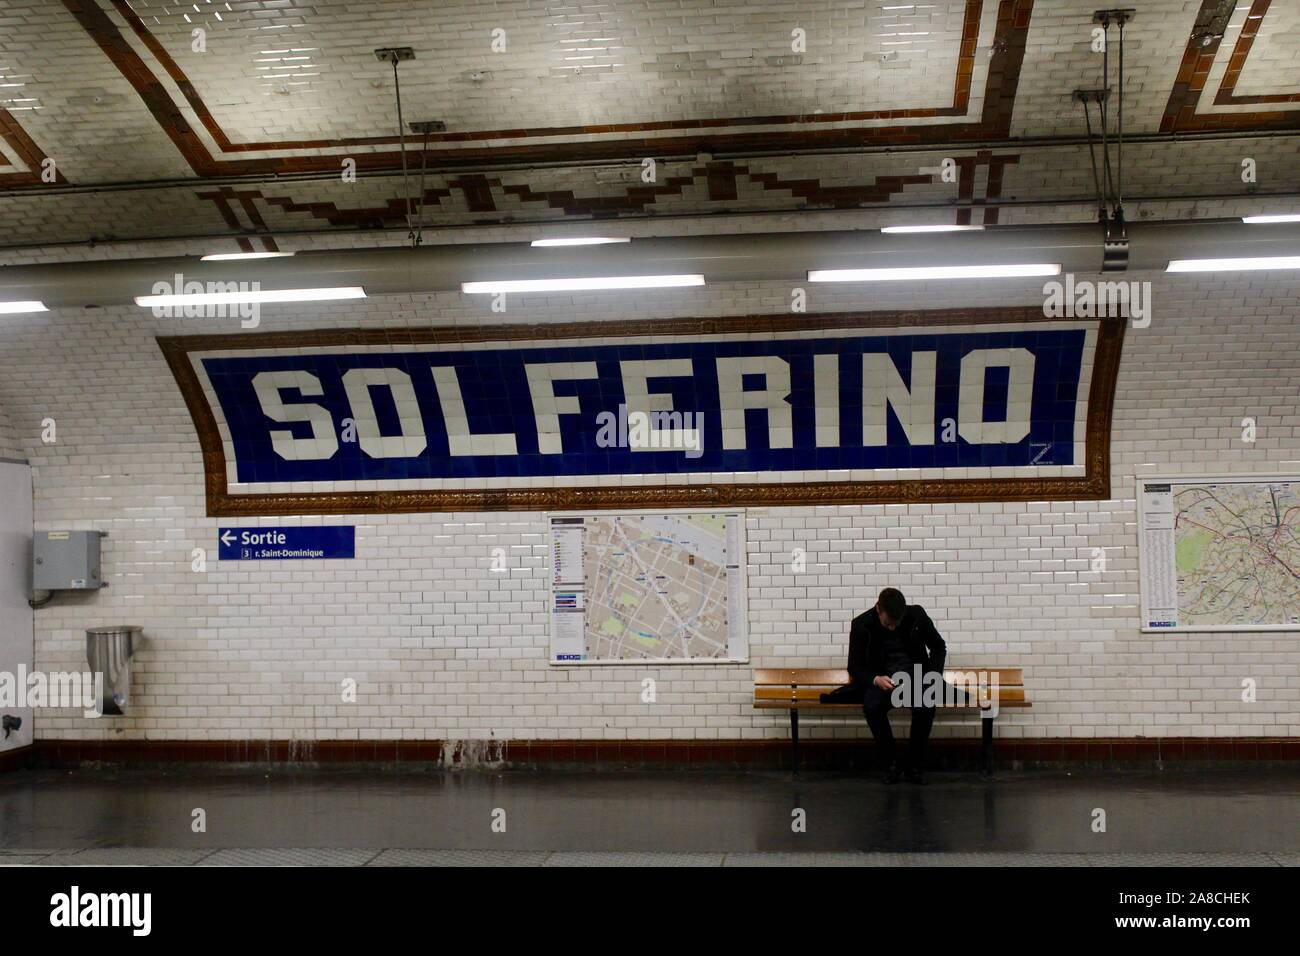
[891, 638]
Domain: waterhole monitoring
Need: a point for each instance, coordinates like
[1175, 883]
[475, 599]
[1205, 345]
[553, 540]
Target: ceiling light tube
[582, 283]
[231, 256]
[1015, 270]
[251, 295]
[1272, 217]
[1234, 265]
[949, 228]
[13, 308]
[579, 241]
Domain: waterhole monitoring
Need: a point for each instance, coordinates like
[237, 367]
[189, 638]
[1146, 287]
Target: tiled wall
[442, 647]
[10, 445]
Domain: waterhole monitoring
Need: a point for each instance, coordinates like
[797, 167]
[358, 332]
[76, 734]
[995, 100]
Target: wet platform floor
[550, 818]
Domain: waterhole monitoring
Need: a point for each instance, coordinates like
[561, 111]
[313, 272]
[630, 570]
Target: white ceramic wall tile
[443, 647]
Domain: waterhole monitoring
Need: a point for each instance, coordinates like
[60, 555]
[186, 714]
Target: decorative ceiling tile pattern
[1263, 49]
[553, 64]
[720, 92]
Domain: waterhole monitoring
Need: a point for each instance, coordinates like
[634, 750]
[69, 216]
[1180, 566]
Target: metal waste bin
[109, 651]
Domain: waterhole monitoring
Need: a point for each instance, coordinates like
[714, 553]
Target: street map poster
[642, 586]
[1220, 554]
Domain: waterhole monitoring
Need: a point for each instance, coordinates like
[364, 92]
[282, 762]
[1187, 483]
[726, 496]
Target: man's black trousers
[877, 705]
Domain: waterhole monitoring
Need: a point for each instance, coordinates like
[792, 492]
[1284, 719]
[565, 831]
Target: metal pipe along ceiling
[721, 258]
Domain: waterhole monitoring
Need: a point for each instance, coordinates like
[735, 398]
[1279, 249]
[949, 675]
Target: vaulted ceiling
[260, 102]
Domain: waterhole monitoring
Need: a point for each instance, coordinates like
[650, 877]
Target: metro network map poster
[1220, 554]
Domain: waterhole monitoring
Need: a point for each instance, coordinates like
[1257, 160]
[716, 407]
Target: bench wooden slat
[800, 688]
[819, 706]
[787, 676]
[1005, 695]
[827, 677]
[789, 693]
[1007, 676]
[804, 705]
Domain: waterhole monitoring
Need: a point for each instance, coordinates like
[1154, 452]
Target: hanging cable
[1101, 108]
[1119, 185]
[1109, 179]
[418, 236]
[423, 127]
[1082, 96]
[401, 135]
[396, 55]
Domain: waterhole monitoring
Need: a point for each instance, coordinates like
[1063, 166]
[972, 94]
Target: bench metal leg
[794, 738]
[988, 744]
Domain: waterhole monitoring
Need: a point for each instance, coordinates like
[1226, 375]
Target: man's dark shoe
[915, 776]
[893, 774]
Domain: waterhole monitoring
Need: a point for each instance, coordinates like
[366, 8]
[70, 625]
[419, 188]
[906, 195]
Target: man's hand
[883, 682]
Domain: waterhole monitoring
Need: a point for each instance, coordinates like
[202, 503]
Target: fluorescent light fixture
[936, 272]
[31, 305]
[1234, 265]
[251, 295]
[582, 284]
[228, 256]
[905, 229]
[580, 241]
[1283, 217]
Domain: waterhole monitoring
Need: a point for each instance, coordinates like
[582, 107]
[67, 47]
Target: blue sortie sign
[294, 544]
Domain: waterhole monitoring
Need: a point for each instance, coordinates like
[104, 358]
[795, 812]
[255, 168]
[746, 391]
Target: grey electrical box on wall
[66, 561]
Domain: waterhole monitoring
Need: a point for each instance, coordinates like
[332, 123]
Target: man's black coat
[867, 651]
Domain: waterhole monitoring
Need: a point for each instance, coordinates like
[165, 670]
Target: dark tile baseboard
[16, 759]
[767, 754]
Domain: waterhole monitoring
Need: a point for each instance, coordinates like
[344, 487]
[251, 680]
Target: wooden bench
[782, 688]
